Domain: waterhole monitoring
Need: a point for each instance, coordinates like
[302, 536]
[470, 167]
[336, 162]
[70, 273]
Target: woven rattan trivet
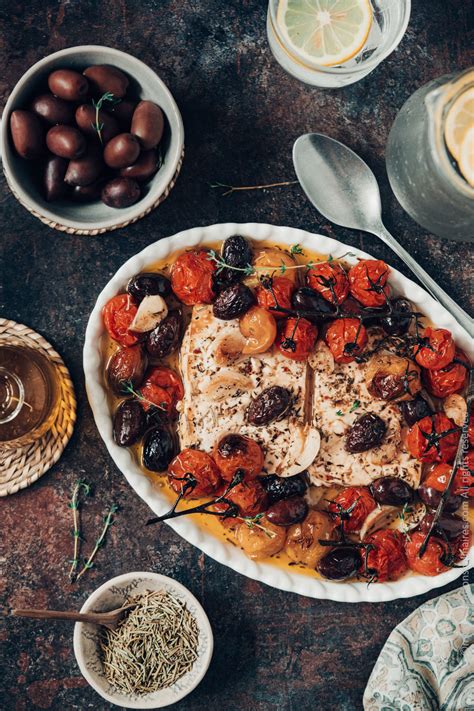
[21, 467]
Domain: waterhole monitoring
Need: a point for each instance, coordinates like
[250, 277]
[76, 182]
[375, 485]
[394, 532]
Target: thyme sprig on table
[229, 189]
[108, 97]
[74, 506]
[108, 522]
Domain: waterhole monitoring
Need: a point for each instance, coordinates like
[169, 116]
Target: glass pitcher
[423, 173]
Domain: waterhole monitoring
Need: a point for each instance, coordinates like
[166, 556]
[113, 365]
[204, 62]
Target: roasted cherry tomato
[433, 439]
[368, 282]
[470, 433]
[464, 479]
[201, 467]
[430, 562]
[118, 313]
[192, 278]
[330, 280]
[450, 379]
[346, 338]
[387, 559]
[249, 496]
[275, 291]
[436, 349]
[296, 338]
[258, 326]
[162, 387]
[463, 483]
[234, 452]
[352, 506]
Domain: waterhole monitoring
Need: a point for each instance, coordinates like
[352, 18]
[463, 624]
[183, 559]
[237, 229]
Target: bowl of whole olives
[91, 140]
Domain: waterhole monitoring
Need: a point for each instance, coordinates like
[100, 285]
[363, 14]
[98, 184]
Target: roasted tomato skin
[324, 274]
[192, 278]
[464, 479]
[368, 282]
[249, 496]
[436, 350]
[387, 559]
[162, 387]
[418, 443]
[450, 379]
[463, 483]
[296, 338]
[358, 497]
[201, 466]
[340, 336]
[279, 288]
[430, 562]
[234, 452]
[118, 313]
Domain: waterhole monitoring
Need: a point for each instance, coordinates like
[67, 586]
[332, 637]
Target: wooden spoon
[107, 619]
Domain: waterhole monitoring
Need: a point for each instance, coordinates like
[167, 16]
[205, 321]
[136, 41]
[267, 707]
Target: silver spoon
[342, 187]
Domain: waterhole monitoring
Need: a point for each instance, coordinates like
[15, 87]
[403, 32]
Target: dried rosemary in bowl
[154, 645]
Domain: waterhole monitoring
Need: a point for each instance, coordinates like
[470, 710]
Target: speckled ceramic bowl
[92, 218]
[112, 595]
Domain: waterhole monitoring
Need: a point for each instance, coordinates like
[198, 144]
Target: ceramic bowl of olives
[91, 140]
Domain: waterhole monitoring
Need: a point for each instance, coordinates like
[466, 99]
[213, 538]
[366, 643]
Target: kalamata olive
[148, 283]
[68, 84]
[271, 404]
[396, 324]
[159, 448]
[449, 524]
[147, 124]
[388, 386]
[120, 192]
[367, 432]
[232, 302]
[54, 172]
[103, 79]
[121, 151]
[126, 368]
[414, 410]
[66, 141]
[88, 193]
[278, 487]
[129, 423]
[27, 134]
[86, 119]
[52, 109]
[340, 563]
[143, 168]
[431, 498]
[123, 112]
[86, 169]
[164, 339]
[236, 252]
[286, 512]
[392, 491]
[307, 299]
[156, 417]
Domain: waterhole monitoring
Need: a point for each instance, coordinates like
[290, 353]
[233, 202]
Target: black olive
[414, 410]
[387, 386]
[431, 498]
[232, 444]
[156, 417]
[159, 449]
[129, 423]
[272, 403]
[235, 252]
[233, 302]
[396, 324]
[164, 339]
[278, 487]
[148, 283]
[391, 491]
[307, 299]
[447, 524]
[340, 563]
[367, 432]
[286, 512]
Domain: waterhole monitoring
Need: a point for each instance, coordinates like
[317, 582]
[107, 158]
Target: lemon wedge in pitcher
[325, 32]
[459, 120]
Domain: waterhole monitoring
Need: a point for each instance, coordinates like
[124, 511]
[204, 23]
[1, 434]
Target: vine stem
[239, 188]
[108, 521]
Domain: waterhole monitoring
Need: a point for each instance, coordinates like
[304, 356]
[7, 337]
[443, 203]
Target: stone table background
[242, 114]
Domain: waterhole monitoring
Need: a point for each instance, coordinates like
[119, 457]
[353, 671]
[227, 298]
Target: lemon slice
[325, 32]
[459, 120]
[466, 156]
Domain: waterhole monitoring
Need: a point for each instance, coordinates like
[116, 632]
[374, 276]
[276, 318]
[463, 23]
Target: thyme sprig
[128, 387]
[108, 97]
[253, 522]
[109, 519]
[74, 506]
[250, 269]
[229, 189]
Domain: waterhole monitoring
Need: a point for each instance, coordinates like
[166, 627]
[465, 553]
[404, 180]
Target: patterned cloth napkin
[427, 663]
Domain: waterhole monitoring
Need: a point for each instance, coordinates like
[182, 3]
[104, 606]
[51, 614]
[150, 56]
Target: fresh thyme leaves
[253, 522]
[248, 270]
[108, 97]
[296, 249]
[355, 405]
[108, 521]
[239, 188]
[128, 387]
[339, 413]
[74, 506]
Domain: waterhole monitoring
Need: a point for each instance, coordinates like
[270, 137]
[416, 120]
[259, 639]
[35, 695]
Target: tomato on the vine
[118, 313]
[234, 452]
[368, 282]
[436, 349]
[431, 562]
[249, 496]
[346, 338]
[330, 280]
[275, 291]
[163, 388]
[200, 466]
[463, 483]
[386, 559]
[434, 438]
[192, 278]
[352, 506]
[450, 379]
[296, 338]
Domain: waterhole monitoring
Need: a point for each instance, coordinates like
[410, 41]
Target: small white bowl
[92, 218]
[112, 595]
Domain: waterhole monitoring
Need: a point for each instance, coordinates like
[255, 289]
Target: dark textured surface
[241, 114]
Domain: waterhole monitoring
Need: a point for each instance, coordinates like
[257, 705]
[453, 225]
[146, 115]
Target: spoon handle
[435, 290]
[96, 617]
